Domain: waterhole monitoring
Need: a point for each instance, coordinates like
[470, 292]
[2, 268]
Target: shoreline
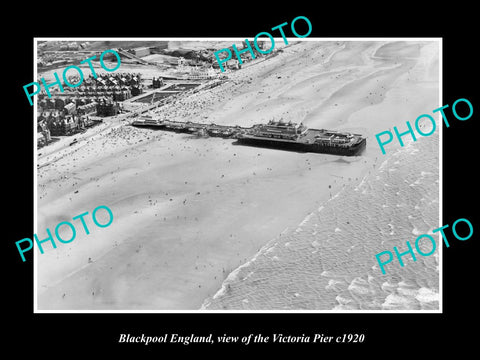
[337, 233]
[189, 211]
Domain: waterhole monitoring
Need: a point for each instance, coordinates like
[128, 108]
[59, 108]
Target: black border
[88, 333]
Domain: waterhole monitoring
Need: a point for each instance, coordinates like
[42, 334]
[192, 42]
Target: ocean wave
[426, 295]
[399, 302]
[332, 264]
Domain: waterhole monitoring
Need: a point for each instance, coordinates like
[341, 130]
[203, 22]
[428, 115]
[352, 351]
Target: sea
[328, 261]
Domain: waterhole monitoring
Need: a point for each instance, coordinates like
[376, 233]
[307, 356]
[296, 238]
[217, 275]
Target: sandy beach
[190, 211]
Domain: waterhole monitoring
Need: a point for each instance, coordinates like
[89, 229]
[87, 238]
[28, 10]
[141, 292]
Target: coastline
[189, 211]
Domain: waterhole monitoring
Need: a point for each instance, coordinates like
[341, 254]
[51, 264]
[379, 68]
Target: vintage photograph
[166, 184]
